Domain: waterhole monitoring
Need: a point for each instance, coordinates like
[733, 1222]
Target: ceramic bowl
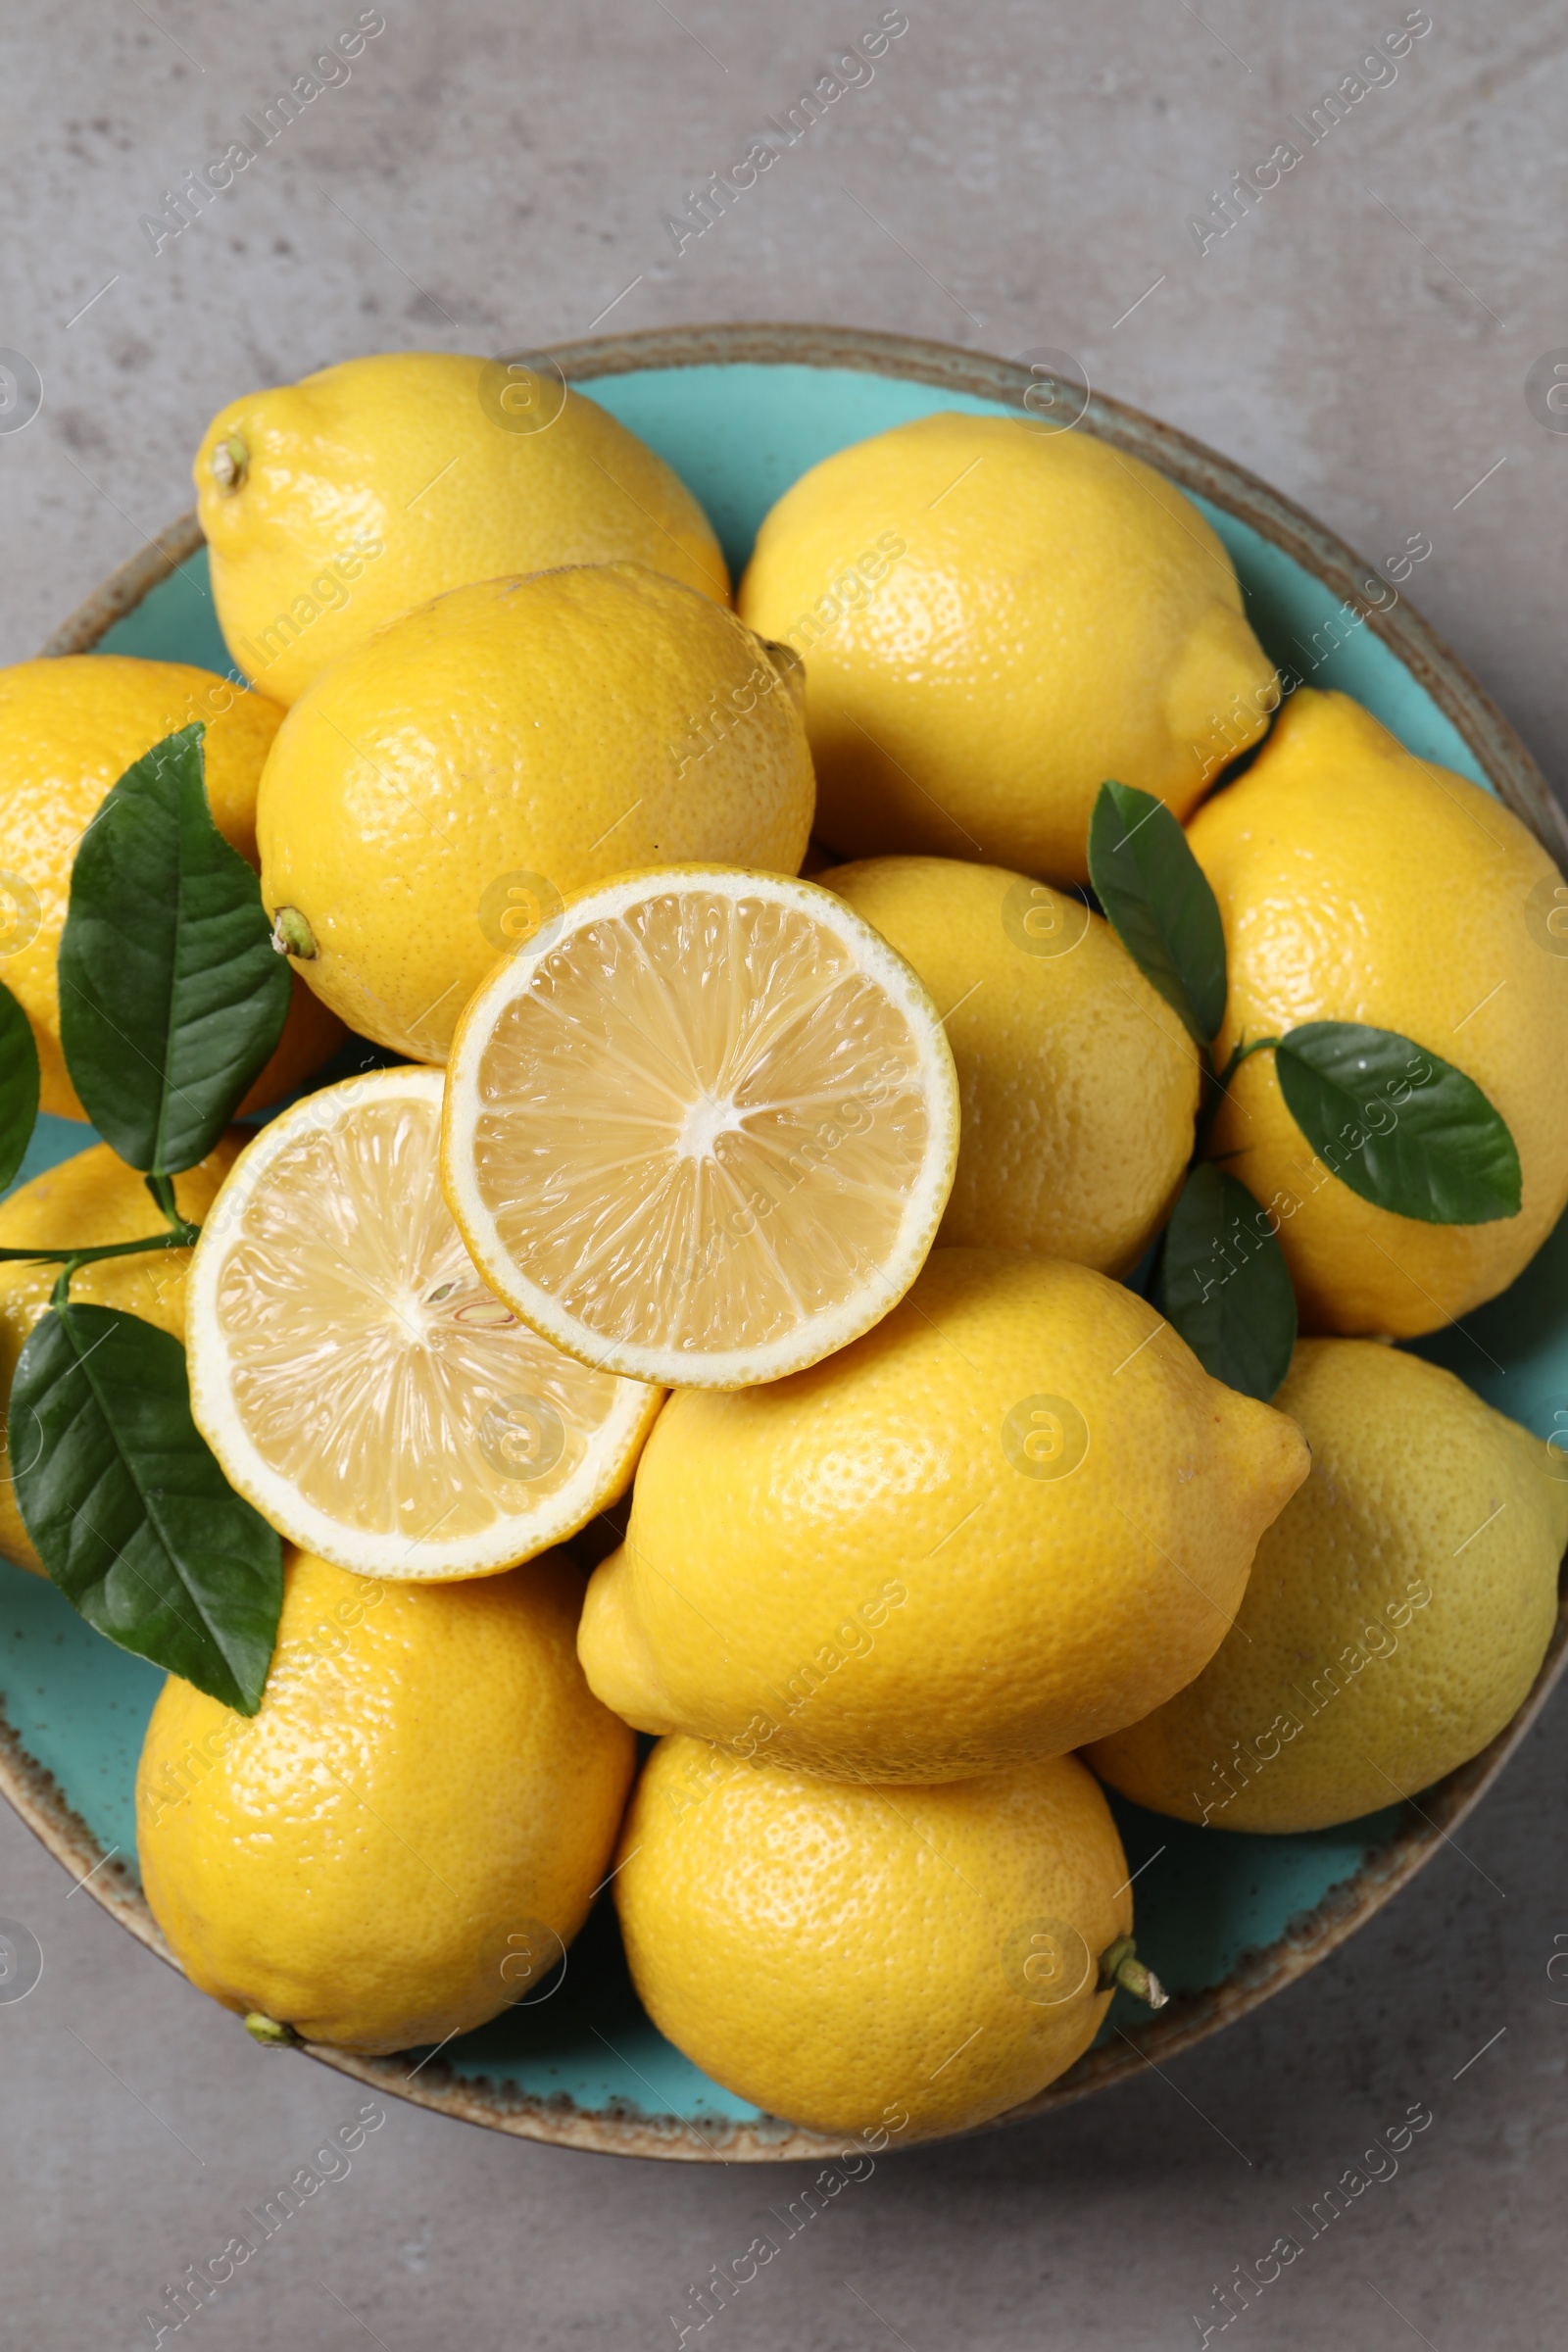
[1229, 1920]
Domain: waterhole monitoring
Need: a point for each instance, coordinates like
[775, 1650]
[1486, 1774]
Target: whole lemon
[1357, 883]
[1396, 1613]
[1015, 1515]
[994, 621]
[332, 505]
[406, 1837]
[433, 796]
[80, 1204]
[889, 1961]
[1078, 1083]
[70, 727]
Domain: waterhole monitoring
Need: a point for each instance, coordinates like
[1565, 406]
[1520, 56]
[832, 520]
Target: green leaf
[19, 1086]
[1398, 1126]
[171, 994]
[1158, 903]
[1227, 1288]
[132, 1517]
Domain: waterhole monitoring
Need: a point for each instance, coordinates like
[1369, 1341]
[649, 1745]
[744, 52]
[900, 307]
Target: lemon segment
[703, 1134]
[357, 1380]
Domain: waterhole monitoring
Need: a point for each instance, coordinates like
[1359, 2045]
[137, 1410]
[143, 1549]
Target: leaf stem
[178, 1237]
[1220, 1082]
[162, 1189]
[1119, 1964]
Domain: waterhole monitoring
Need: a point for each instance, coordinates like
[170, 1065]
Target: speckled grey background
[1014, 175]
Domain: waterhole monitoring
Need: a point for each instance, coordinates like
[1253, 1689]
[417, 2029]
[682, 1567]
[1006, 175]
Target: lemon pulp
[357, 1378]
[703, 1134]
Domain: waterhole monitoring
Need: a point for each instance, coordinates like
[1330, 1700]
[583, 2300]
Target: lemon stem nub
[292, 934]
[1119, 1964]
[789, 666]
[230, 458]
[270, 2032]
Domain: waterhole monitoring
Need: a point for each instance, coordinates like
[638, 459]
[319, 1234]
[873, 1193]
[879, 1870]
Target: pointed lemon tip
[614, 1649]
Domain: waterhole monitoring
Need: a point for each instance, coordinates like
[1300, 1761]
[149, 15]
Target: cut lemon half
[701, 1128]
[354, 1377]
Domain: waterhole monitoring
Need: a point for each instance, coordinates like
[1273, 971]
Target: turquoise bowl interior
[583, 2063]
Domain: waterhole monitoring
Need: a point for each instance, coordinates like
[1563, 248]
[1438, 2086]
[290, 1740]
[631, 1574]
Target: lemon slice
[701, 1128]
[354, 1377]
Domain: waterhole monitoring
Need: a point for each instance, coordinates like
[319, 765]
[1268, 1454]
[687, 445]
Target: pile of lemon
[803, 1209]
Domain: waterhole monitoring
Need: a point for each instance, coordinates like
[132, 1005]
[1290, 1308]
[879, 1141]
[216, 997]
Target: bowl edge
[1312, 1935]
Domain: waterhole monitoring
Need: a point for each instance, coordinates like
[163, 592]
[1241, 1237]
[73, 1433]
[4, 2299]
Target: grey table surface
[1014, 175]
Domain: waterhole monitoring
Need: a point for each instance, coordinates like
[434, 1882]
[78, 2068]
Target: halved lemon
[702, 1127]
[354, 1377]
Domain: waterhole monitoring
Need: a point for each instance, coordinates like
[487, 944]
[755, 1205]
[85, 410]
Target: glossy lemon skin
[80, 1204]
[70, 727]
[1357, 883]
[897, 1962]
[1397, 1614]
[371, 486]
[414, 1820]
[525, 736]
[994, 621]
[1078, 1083]
[872, 1569]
